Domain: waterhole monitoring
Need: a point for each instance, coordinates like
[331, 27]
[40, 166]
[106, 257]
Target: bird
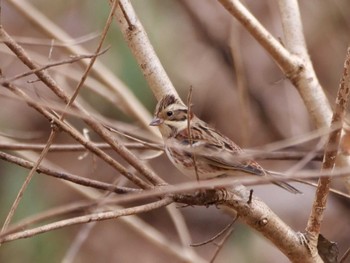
[199, 150]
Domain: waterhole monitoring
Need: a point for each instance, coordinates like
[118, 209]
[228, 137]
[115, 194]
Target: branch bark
[292, 59]
[316, 217]
[95, 125]
[255, 213]
[121, 97]
[138, 42]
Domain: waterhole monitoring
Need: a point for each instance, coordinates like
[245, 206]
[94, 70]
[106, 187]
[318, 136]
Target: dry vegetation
[69, 70]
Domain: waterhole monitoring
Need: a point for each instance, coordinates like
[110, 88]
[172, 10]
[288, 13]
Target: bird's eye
[169, 113]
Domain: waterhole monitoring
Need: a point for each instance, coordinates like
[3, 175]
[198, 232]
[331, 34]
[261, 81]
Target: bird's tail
[287, 187]
[282, 184]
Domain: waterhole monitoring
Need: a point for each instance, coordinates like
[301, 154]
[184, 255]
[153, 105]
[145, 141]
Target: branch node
[131, 26]
[250, 196]
[263, 222]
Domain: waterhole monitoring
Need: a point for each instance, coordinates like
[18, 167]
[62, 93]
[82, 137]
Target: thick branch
[257, 215]
[305, 80]
[295, 63]
[141, 47]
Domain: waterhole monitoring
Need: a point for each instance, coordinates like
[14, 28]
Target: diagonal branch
[53, 64]
[54, 129]
[138, 42]
[67, 176]
[331, 150]
[294, 62]
[126, 99]
[86, 219]
[257, 215]
[78, 137]
[95, 125]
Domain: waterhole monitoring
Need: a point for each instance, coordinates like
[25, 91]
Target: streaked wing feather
[216, 149]
[250, 167]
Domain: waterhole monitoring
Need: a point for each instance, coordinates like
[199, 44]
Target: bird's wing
[216, 149]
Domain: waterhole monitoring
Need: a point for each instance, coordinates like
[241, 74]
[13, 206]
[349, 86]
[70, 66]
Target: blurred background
[237, 88]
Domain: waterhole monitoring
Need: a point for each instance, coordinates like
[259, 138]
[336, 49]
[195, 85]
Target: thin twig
[54, 130]
[96, 126]
[56, 212]
[78, 241]
[54, 64]
[86, 219]
[345, 256]
[77, 136]
[30, 41]
[189, 116]
[216, 236]
[27, 181]
[67, 176]
[127, 101]
[320, 201]
[104, 146]
[241, 83]
[180, 225]
[224, 239]
[283, 57]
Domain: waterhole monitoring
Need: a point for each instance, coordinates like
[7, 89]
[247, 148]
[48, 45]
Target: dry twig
[331, 150]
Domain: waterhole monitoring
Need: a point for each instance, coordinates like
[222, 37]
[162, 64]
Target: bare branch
[27, 181]
[143, 51]
[106, 146]
[86, 219]
[305, 80]
[331, 151]
[53, 64]
[126, 99]
[345, 256]
[96, 126]
[67, 176]
[224, 239]
[77, 136]
[257, 215]
[297, 68]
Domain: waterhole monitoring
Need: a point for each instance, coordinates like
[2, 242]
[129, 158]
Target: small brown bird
[215, 154]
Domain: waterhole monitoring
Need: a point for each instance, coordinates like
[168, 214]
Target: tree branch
[296, 68]
[95, 125]
[138, 42]
[86, 219]
[127, 101]
[331, 151]
[257, 215]
[67, 176]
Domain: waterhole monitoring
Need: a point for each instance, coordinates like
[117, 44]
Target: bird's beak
[156, 122]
